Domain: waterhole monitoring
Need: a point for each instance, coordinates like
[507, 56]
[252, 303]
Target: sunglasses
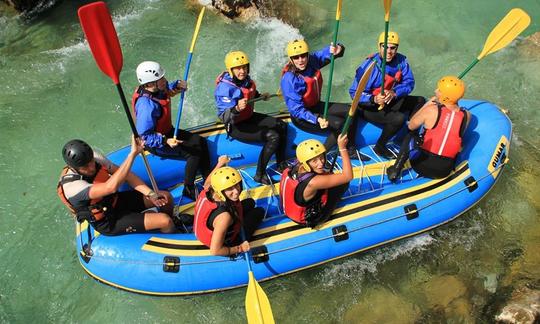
[390, 47]
[296, 57]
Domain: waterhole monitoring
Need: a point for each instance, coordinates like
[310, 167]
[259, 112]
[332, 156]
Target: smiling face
[317, 163]
[233, 193]
[300, 61]
[390, 52]
[240, 72]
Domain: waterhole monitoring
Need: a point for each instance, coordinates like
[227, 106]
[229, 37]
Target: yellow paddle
[506, 31]
[258, 309]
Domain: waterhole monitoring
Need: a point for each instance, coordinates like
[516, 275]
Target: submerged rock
[523, 307]
[30, 8]
[530, 45]
[370, 309]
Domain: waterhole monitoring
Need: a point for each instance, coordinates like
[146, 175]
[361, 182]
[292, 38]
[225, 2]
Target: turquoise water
[461, 272]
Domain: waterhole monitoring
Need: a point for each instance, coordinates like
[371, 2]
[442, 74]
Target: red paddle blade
[99, 30]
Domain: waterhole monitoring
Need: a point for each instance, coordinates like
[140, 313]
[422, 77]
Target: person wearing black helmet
[88, 187]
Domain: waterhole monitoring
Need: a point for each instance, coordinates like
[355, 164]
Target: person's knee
[398, 119]
[272, 136]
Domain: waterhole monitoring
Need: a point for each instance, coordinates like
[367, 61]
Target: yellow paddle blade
[338, 10]
[387, 5]
[360, 88]
[506, 31]
[258, 308]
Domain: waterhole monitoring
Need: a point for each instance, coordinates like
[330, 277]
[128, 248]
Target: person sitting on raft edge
[151, 103]
[234, 89]
[309, 194]
[433, 152]
[220, 216]
[88, 187]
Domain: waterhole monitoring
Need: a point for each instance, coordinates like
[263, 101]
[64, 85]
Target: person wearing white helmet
[433, 152]
[151, 102]
[399, 83]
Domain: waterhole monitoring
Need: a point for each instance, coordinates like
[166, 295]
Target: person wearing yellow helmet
[220, 215]
[398, 84]
[309, 193]
[433, 152]
[234, 88]
[151, 102]
[301, 85]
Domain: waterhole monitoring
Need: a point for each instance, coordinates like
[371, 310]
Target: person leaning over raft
[220, 216]
[233, 90]
[151, 102]
[308, 193]
[301, 84]
[433, 153]
[398, 84]
[88, 187]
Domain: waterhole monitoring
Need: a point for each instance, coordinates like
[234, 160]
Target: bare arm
[421, 115]
[217, 247]
[120, 173]
[222, 161]
[332, 180]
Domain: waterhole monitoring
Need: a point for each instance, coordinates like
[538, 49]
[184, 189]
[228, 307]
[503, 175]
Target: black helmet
[77, 153]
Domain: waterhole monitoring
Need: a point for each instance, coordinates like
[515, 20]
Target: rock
[246, 10]
[369, 309]
[523, 307]
[30, 8]
[530, 46]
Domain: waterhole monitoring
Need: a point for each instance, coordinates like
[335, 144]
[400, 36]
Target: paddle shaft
[136, 134]
[262, 98]
[186, 72]
[332, 59]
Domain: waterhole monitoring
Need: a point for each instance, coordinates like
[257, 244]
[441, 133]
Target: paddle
[336, 28]
[387, 5]
[258, 309]
[354, 105]
[263, 98]
[186, 73]
[99, 30]
[506, 31]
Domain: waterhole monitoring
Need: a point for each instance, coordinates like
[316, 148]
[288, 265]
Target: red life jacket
[287, 189]
[444, 139]
[203, 209]
[164, 124]
[249, 93]
[93, 210]
[389, 81]
[314, 84]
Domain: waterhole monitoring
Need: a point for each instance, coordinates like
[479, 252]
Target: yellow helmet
[224, 178]
[393, 38]
[297, 47]
[451, 89]
[307, 150]
[235, 59]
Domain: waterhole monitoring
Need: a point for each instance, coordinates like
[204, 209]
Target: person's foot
[354, 154]
[384, 152]
[189, 192]
[392, 172]
[262, 179]
[282, 166]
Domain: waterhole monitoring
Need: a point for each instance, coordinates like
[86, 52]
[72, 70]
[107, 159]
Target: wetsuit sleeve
[172, 85]
[321, 58]
[366, 93]
[406, 86]
[292, 86]
[226, 97]
[147, 114]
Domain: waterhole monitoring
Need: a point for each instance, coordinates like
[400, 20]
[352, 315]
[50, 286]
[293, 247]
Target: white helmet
[149, 71]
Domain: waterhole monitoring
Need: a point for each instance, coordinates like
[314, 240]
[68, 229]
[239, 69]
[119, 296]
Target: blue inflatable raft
[371, 213]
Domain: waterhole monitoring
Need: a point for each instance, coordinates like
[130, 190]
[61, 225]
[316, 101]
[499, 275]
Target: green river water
[461, 272]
